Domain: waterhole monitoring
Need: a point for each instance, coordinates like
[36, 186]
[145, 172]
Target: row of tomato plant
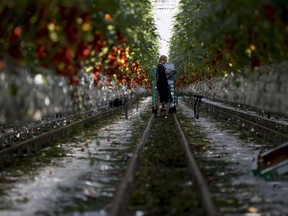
[215, 37]
[114, 39]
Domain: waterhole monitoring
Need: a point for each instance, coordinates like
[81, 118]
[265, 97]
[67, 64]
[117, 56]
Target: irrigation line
[207, 202]
[120, 196]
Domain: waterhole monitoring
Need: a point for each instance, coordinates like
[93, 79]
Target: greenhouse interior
[87, 128]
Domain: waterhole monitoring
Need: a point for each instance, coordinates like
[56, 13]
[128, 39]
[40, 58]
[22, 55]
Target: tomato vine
[216, 37]
[115, 39]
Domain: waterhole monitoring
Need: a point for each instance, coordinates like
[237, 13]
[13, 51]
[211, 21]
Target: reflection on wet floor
[270, 198]
[87, 176]
[89, 172]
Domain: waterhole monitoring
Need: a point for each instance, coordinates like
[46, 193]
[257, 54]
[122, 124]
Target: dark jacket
[162, 82]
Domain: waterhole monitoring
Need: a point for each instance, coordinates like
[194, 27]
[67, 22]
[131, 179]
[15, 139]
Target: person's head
[162, 59]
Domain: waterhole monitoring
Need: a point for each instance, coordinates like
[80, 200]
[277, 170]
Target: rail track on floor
[28, 138]
[205, 206]
[270, 129]
[273, 130]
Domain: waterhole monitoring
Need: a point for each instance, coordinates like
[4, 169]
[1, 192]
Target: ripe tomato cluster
[64, 36]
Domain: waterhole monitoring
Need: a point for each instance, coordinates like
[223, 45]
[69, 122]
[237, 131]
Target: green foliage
[139, 26]
[68, 35]
[215, 37]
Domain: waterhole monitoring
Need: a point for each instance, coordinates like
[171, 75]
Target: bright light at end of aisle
[165, 10]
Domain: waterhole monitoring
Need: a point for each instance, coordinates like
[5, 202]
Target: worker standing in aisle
[163, 87]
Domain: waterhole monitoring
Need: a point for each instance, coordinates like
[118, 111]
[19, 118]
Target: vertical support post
[137, 102]
[126, 106]
[1, 162]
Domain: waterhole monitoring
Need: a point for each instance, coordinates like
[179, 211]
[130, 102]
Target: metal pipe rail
[15, 133]
[37, 143]
[269, 129]
[207, 202]
[35, 136]
[124, 187]
[120, 198]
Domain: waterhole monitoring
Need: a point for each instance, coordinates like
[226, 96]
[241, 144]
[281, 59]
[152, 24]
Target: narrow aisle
[236, 155]
[83, 180]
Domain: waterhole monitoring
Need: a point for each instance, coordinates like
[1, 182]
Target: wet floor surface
[258, 196]
[88, 175]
